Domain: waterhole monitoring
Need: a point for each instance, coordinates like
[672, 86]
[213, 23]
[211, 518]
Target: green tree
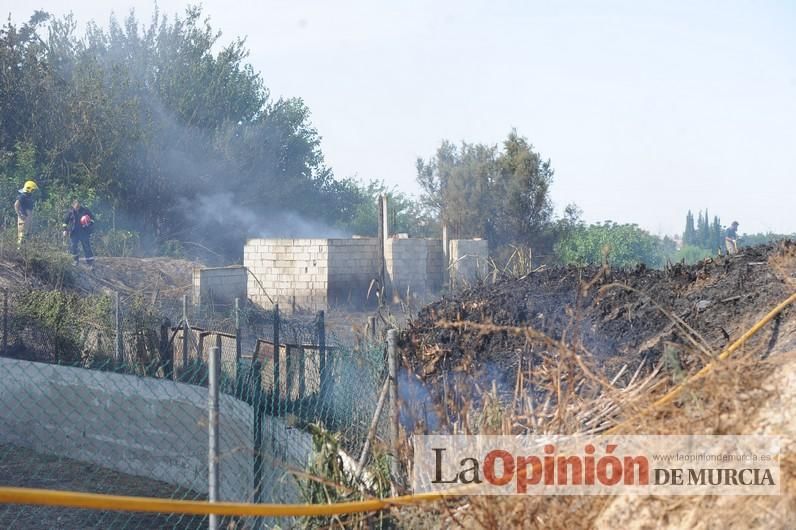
[717, 235]
[166, 125]
[480, 191]
[524, 209]
[689, 234]
[750, 240]
[406, 214]
[703, 230]
[620, 245]
[457, 185]
[706, 235]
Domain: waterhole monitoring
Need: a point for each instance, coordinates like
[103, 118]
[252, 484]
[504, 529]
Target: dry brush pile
[581, 351]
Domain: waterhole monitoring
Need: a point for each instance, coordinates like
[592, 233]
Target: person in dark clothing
[78, 225]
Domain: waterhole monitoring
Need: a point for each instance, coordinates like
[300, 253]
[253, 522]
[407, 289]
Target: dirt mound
[167, 276]
[618, 316]
[157, 278]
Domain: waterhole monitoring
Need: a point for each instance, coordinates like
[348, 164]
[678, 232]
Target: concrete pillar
[446, 260]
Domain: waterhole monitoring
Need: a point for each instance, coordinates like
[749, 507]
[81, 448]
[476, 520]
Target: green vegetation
[406, 214]
[162, 129]
[61, 323]
[328, 481]
[619, 245]
[691, 254]
[706, 234]
[501, 195]
[750, 240]
[706, 238]
[173, 140]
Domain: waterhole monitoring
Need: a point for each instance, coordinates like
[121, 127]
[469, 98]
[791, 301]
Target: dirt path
[24, 468]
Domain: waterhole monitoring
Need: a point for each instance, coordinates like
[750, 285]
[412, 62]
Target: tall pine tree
[706, 234]
[689, 235]
[717, 234]
[703, 232]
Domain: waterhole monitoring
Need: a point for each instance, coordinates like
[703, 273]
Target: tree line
[173, 139]
[163, 128]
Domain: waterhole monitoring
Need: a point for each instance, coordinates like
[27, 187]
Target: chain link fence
[107, 394]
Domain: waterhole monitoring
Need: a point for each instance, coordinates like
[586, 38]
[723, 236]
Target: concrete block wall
[315, 274]
[219, 285]
[407, 266]
[140, 426]
[353, 264]
[469, 260]
[290, 272]
[434, 265]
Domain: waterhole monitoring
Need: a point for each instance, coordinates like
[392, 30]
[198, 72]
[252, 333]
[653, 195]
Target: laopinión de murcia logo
[665, 465]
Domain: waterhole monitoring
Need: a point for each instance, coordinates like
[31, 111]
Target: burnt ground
[21, 467]
[719, 298]
[168, 276]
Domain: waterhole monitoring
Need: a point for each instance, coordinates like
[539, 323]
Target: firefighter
[24, 208]
[78, 225]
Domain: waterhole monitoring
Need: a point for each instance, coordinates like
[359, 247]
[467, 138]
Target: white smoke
[222, 209]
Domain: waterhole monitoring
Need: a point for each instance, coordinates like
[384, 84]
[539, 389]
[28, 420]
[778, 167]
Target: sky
[645, 109]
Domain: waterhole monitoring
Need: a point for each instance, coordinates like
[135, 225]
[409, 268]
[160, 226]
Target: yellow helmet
[30, 187]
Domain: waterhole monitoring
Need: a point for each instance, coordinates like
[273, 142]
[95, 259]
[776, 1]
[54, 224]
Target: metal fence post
[289, 379]
[324, 362]
[185, 331]
[221, 361]
[276, 360]
[259, 411]
[5, 321]
[372, 327]
[166, 351]
[302, 376]
[238, 338]
[392, 369]
[374, 423]
[119, 352]
[214, 369]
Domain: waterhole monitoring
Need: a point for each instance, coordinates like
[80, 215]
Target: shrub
[59, 324]
[691, 254]
[621, 245]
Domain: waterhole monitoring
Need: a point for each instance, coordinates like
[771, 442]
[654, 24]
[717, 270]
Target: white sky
[646, 109]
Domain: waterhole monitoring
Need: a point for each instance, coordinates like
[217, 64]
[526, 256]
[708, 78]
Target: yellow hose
[97, 501]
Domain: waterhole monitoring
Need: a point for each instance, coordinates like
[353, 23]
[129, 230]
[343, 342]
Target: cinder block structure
[315, 274]
[413, 266]
[310, 274]
[219, 285]
[469, 260]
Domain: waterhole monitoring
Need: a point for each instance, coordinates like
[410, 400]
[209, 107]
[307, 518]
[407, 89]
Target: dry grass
[750, 392]
[723, 403]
